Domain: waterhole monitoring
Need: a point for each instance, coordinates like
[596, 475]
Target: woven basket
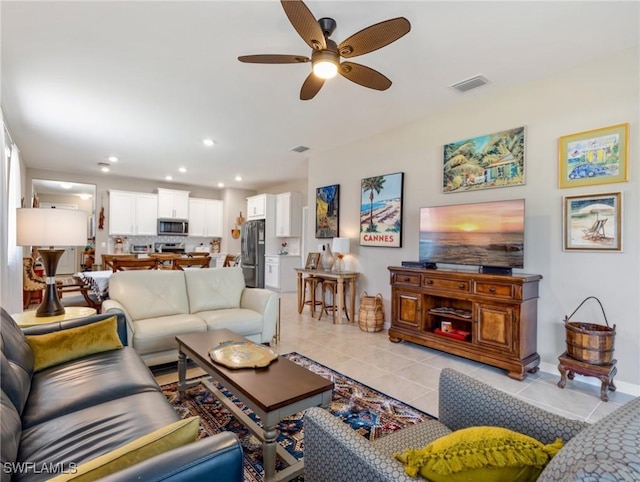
[589, 342]
[371, 315]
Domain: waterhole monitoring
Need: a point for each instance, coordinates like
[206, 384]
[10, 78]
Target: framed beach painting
[593, 222]
[381, 211]
[594, 157]
[327, 211]
[492, 160]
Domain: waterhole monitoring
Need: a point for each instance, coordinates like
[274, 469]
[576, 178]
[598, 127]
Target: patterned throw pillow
[486, 454]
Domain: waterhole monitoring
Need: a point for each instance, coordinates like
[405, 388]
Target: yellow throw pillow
[64, 345]
[484, 454]
[172, 436]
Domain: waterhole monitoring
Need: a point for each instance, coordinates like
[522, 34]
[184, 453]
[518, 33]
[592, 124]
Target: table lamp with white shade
[340, 247]
[51, 227]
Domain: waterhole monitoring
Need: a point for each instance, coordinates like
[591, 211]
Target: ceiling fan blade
[311, 86]
[364, 76]
[374, 37]
[274, 59]
[305, 23]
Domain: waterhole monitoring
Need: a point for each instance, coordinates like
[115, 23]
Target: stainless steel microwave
[173, 227]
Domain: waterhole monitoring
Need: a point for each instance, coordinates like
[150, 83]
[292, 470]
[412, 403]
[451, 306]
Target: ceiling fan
[325, 56]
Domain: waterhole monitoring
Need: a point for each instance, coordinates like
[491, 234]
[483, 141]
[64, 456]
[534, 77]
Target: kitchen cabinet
[173, 204]
[279, 273]
[132, 213]
[260, 206]
[205, 217]
[484, 317]
[288, 214]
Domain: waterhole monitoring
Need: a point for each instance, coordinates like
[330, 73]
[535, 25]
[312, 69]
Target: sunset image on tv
[482, 234]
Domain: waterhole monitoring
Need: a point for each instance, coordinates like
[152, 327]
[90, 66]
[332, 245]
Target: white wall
[591, 96]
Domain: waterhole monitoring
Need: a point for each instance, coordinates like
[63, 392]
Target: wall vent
[472, 83]
[299, 149]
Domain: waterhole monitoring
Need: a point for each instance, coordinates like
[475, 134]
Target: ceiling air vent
[103, 164]
[299, 149]
[472, 83]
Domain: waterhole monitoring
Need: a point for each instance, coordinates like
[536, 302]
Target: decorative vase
[327, 258]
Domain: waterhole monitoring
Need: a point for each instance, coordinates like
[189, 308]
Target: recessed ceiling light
[168, 178]
[208, 142]
[238, 178]
[221, 184]
[113, 159]
[66, 185]
[104, 169]
[84, 197]
[182, 169]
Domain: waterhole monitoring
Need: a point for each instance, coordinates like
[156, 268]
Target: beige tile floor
[410, 372]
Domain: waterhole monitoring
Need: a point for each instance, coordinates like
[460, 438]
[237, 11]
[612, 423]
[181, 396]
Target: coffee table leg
[182, 375]
[269, 453]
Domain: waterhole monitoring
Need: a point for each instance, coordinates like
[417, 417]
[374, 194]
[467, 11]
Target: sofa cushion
[162, 440]
[61, 346]
[85, 434]
[11, 428]
[150, 293]
[240, 321]
[601, 449]
[82, 383]
[16, 365]
[153, 335]
[214, 288]
[480, 453]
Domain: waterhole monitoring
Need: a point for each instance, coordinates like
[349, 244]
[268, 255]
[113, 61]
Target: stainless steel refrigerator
[252, 253]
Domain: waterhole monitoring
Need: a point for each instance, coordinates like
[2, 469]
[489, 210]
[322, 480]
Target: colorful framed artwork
[593, 222]
[327, 211]
[381, 211]
[492, 160]
[594, 157]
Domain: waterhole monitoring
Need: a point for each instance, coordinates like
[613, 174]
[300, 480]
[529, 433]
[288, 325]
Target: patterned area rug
[368, 411]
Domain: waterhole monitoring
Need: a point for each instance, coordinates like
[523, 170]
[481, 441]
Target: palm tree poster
[381, 211]
[492, 160]
[327, 204]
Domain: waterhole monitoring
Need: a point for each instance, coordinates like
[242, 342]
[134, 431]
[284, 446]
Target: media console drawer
[496, 289]
[410, 279]
[445, 284]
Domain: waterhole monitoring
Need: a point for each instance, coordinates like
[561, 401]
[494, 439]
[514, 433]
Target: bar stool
[330, 286]
[311, 286]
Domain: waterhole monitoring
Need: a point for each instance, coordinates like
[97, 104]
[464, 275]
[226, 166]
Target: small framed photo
[593, 222]
[594, 157]
[313, 261]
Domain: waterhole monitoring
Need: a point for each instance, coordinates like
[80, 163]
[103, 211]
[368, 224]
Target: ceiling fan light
[325, 69]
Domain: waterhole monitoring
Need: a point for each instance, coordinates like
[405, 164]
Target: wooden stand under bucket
[589, 352]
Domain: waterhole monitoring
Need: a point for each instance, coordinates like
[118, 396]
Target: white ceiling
[146, 81]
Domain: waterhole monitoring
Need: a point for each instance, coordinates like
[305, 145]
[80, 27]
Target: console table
[341, 276]
[488, 318]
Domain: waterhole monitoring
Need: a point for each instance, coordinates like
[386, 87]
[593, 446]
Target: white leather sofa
[160, 304]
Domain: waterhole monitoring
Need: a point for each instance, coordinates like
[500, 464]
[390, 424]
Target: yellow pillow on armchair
[483, 454]
[60, 346]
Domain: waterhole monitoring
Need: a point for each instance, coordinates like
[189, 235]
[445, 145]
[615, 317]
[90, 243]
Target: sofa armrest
[113, 307]
[87, 320]
[264, 302]
[218, 458]
[466, 402]
[334, 452]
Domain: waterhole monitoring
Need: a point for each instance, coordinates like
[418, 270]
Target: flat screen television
[487, 234]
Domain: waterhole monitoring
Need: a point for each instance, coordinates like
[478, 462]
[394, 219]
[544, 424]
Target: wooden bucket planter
[371, 314]
[590, 342]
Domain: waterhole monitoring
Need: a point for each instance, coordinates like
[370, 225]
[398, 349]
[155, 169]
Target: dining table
[98, 281]
[345, 279]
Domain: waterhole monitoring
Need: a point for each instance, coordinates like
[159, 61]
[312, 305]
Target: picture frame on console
[593, 222]
[594, 157]
[328, 211]
[381, 210]
[313, 261]
[484, 162]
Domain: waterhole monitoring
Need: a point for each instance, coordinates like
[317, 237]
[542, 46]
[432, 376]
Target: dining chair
[138, 263]
[107, 259]
[230, 260]
[195, 262]
[165, 260]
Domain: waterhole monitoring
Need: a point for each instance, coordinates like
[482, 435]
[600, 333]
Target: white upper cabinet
[132, 213]
[205, 217]
[288, 214]
[173, 204]
[257, 207]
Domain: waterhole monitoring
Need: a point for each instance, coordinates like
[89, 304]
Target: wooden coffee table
[274, 392]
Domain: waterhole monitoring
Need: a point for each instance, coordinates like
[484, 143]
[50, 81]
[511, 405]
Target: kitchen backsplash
[190, 243]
